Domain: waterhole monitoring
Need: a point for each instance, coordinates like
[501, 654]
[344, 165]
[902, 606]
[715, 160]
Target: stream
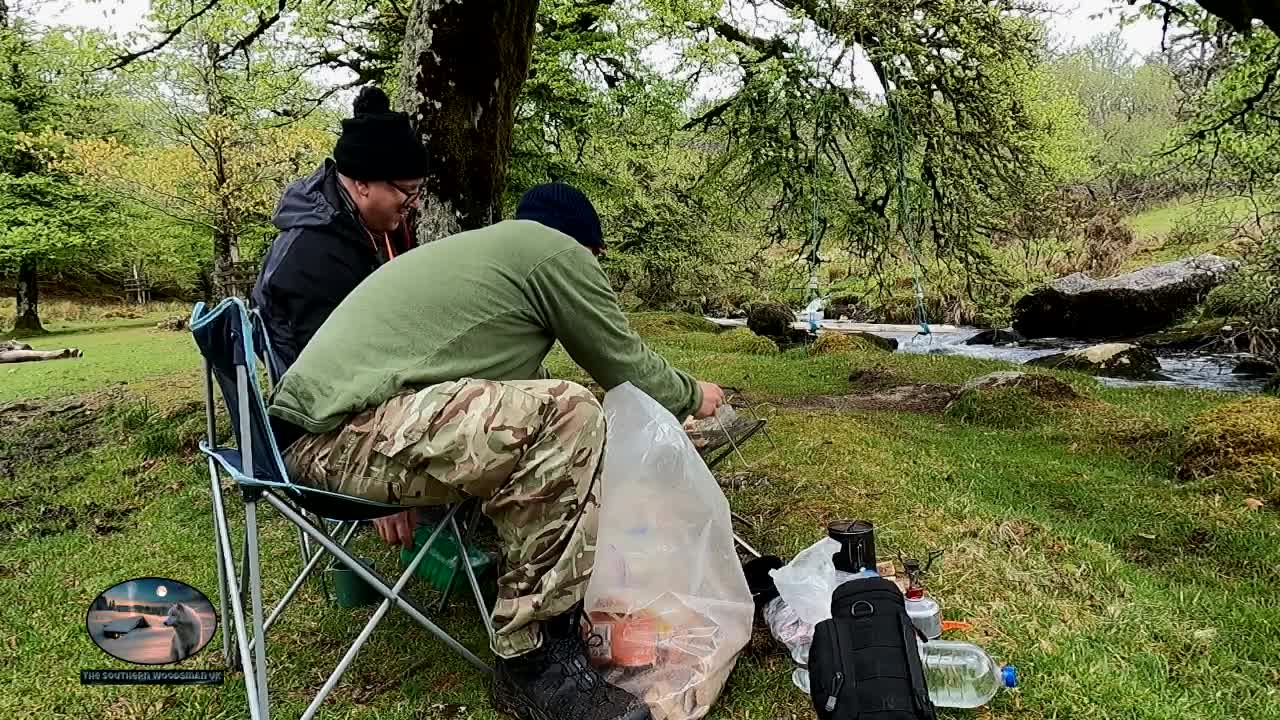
[1209, 371]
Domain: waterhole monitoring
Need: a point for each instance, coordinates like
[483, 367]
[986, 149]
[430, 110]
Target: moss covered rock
[770, 320]
[741, 340]
[1044, 387]
[1009, 407]
[833, 343]
[1238, 443]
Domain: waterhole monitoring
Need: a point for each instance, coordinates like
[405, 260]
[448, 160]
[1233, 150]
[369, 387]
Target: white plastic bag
[807, 582]
[804, 587]
[668, 601]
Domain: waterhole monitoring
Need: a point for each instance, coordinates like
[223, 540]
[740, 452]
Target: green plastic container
[438, 566]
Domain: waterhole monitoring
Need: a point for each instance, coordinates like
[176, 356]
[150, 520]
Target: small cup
[351, 589]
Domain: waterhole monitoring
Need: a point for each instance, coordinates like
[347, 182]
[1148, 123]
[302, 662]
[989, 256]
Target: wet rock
[1126, 305]
[1256, 367]
[1207, 336]
[996, 337]
[1120, 360]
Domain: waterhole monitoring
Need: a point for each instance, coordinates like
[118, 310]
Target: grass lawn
[1154, 227]
[1116, 590]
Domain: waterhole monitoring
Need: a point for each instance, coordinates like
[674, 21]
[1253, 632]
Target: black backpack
[864, 661]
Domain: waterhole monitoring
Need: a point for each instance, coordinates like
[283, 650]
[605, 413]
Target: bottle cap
[1009, 674]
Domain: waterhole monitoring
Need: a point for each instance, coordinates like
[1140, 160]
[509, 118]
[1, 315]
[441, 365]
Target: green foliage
[1130, 109]
[49, 219]
[137, 416]
[1252, 294]
[46, 217]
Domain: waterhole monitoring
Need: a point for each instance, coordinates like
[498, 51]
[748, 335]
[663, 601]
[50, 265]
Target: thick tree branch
[265, 23]
[123, 60]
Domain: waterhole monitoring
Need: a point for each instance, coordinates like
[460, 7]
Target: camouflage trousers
[530, 450]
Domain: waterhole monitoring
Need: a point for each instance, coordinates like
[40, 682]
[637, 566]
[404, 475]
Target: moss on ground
[665, 323]
[742, 340]
[1236, 445]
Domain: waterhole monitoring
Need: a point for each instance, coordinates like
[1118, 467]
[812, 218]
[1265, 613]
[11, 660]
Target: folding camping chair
[229, 340]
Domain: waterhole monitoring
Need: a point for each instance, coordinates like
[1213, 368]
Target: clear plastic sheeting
[804, 587]
[668, 603]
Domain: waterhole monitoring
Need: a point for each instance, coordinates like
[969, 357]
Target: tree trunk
[27, 318]
[460, 75]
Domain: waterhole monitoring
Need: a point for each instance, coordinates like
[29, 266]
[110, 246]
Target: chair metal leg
[244, 562]
[237, 607]
[304, 551]
[367, 631]
[453, 573]
[381, 586]
[255, 593]
[297, 584]
[471, 577]
[229, 659]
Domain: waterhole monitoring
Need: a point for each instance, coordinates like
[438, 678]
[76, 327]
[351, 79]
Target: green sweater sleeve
[572, 297]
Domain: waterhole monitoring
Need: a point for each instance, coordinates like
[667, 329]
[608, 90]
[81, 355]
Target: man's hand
[712, 398]
[398, 529]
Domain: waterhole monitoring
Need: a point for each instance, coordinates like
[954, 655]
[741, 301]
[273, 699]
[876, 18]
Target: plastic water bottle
[962, 675]
[813, 313]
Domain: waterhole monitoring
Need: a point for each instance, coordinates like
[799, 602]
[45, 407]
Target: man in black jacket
[340, 223]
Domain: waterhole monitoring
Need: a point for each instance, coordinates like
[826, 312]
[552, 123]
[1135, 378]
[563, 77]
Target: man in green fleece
[426, 385]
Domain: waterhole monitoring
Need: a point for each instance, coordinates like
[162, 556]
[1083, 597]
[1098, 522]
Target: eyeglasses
[411, 195]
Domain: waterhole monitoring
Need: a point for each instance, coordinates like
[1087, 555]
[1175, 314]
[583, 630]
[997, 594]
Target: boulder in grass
[1237, 446]
[1045, 387]
[832, 343]
[742, 340]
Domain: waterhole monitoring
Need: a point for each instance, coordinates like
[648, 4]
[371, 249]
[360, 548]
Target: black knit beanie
[378, 144]
[564, 208]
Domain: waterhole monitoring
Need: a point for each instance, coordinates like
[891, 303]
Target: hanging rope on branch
[897, 129]
[899, 137]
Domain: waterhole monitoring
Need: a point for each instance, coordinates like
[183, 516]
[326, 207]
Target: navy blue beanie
[562, 207]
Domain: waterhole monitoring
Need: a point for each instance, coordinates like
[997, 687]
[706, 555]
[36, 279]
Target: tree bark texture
[27, 317]
[460, 76]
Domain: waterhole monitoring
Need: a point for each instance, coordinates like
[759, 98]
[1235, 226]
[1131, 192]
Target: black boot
[557, 682]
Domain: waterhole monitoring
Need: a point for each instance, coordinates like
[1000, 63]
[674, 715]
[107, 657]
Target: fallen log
[12, 351]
